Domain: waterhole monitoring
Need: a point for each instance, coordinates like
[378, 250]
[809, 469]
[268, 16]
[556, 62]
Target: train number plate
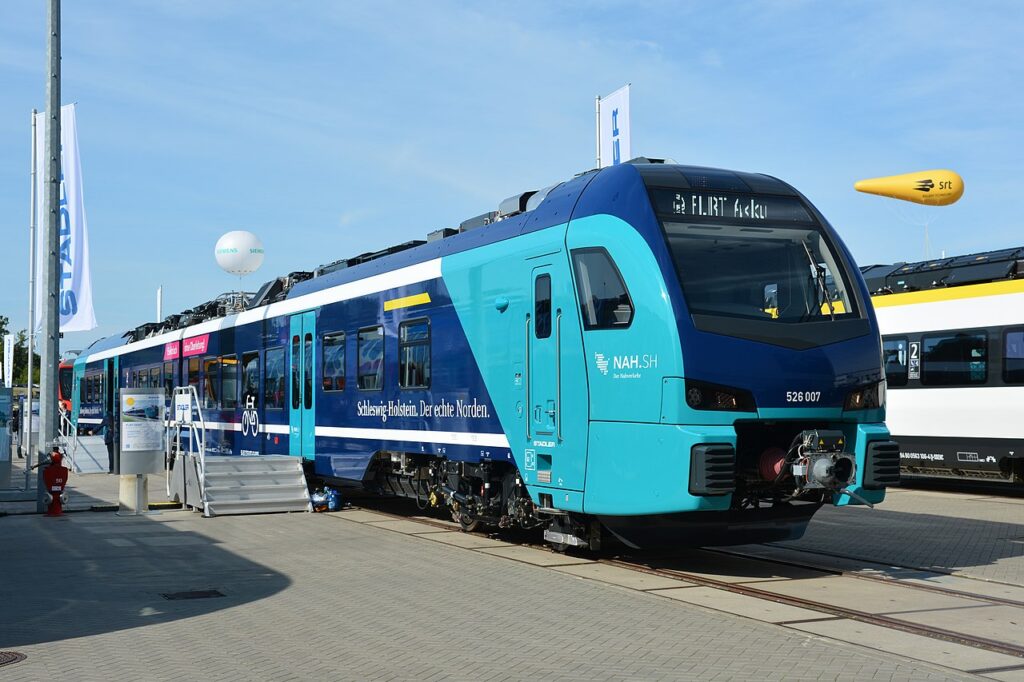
[803, 396]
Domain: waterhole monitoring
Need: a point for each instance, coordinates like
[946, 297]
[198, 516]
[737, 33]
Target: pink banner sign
[171, 351]
[195, 346]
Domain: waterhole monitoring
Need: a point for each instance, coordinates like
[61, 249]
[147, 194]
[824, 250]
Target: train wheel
[467, 524]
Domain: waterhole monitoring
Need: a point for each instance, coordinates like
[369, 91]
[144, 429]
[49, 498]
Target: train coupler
[823, 464]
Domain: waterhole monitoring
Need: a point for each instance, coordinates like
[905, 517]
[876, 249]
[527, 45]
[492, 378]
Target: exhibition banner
[8, 360]
[616, 145]
[74, 299]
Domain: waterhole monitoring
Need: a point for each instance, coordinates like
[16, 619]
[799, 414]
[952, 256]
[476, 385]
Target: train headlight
[701, 395]
[868, 397]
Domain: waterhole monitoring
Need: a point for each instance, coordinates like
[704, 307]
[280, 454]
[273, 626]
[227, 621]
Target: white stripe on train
[413, 274]
[488, 440]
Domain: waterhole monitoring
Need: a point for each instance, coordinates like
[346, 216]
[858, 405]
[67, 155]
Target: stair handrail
[68, 438]
[199, 437]
[196, 439]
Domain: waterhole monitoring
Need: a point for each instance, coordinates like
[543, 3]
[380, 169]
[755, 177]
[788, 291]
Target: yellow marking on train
[949, 293]
[406, 301]
[837, 308]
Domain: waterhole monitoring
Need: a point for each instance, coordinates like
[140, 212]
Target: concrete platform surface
[84, 490]
[94, 596]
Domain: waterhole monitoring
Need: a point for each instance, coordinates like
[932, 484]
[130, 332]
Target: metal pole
[31, 305]
[597, 117]
[159, 303]
[50, 248]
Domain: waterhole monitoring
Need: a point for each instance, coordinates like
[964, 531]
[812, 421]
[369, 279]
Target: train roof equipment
[523, 212]
[975, 268]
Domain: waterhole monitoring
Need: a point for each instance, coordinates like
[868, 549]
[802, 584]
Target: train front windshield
[778, 274]
[758, 267]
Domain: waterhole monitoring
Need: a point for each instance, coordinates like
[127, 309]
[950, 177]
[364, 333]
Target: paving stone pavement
[978, 536]
[321, 597]
[84, 490]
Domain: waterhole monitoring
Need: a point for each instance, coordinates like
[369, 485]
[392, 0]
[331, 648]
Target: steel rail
[839, 611]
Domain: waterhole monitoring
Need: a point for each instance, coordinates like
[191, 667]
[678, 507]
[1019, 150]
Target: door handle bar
[558, 374]
[529, 399]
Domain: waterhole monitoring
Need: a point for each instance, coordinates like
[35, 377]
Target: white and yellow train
[953, 346]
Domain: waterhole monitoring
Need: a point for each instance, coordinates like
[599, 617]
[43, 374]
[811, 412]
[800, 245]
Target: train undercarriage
[775, 491]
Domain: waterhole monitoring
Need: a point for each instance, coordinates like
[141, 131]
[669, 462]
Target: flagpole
[597, 118]
[31, 304]
[49, 247]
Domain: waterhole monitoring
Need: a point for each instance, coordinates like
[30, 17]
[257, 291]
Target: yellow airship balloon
[931, 187]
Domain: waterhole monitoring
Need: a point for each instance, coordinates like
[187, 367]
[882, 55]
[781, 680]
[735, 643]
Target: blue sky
[334, 128]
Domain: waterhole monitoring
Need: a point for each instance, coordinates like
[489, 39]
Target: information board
[142, 430]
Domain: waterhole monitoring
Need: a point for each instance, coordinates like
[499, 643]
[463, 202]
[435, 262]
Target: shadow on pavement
[90, 573]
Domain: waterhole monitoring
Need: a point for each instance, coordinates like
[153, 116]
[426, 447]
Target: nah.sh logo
[602, 362]
[637, 361]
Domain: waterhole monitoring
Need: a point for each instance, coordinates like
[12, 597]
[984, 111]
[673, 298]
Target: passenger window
[414, 354]
[296, 381]
[370, 351]
[154, 377]
[307, 371]
[168, 379]
[542, 306]
[274, 379]
[211, 391]
[954, 359]
[895, 354]
[334, 362]
[193, 377]
[604, 299]
[1013, 356]
[229, 381]
[83, 390]
[250, 380]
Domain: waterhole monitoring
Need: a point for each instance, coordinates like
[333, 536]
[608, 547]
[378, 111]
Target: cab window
[604, 299]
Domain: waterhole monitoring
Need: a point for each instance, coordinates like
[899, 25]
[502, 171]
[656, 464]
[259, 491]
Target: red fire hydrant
[55, 478]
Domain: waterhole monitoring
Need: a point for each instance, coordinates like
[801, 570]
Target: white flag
[75, 298]
[8, 360]
[615, 138]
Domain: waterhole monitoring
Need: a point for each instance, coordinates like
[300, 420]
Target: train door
[76, 391]
[546, 450]
[249, 439]
[301, 406]
[112, 376]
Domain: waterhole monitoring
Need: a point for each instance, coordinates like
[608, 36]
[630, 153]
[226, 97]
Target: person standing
[110, 437]
[16, 433]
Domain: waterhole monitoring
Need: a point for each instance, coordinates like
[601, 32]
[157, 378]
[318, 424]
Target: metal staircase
[227, 485]
[254, 485]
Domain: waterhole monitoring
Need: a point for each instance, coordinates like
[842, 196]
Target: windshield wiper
[819, 279]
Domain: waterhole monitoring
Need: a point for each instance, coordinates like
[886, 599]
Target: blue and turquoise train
[655, 352]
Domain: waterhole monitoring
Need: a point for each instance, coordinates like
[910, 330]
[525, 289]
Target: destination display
[729, 207]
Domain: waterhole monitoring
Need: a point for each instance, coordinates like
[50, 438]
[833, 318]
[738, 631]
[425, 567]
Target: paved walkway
[85, 491]
[977, 536]
[340, 596]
